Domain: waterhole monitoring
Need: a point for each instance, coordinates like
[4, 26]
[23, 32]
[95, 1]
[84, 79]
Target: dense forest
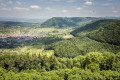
[109, 33]
[40, 53]
[93, 66]
[103, 30]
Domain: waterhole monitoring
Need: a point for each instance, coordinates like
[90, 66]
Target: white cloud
[71, 1]
[5, 9]
[115, 11]
[35, 7]
[56, 0]
[91, 11]
[9, 2]
[88, 3]
[19, 8]
[79, 8]
[49, 9]
[18, 3]
[64, 11]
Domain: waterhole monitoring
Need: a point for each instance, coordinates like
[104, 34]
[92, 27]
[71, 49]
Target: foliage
[93, 66]
[87, 45]
[63, 22]
[106, 30]
[107, 33]
[64, 48]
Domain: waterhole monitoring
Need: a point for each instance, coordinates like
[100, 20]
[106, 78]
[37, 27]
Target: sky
[43, 9]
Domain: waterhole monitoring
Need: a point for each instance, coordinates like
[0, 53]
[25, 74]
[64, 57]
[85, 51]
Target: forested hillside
[62, 22]
[64, 48]
[107, 30]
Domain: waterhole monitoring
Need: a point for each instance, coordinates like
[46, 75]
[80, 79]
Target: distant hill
[62, 22]
[106, 30]
[12, 23]
[22, 20]
[109, 17]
